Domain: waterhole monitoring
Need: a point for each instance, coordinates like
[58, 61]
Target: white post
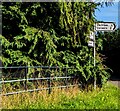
[94, 63]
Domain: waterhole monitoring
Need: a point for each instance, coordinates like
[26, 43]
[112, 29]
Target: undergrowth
[71, 98]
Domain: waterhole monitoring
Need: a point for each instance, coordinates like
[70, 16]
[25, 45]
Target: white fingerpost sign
[90, 43]
[105, 26]
[100, 26]
[92, 35]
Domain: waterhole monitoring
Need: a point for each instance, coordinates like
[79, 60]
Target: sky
[108, 14]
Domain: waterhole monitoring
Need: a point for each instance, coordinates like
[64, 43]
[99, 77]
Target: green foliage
[52, 34]
[105, 99]
[110, 50]
[111, 40]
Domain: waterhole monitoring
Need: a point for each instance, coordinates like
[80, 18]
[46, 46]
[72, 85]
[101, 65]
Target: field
[72, 98]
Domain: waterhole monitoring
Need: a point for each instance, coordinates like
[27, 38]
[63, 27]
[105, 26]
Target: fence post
[26, 78]
[66, 80]
[49, 82]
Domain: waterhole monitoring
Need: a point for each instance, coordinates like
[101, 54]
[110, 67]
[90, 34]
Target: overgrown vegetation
[111, 51]
[72, 98]
[51, 34]
[56, 34]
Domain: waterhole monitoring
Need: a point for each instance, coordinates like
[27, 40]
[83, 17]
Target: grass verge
[72, 98]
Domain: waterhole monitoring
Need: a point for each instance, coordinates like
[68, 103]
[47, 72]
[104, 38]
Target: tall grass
[70, 98]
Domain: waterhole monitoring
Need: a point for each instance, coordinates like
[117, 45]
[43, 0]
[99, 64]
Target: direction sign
[105, 26]
[91, 35]
[90, 43]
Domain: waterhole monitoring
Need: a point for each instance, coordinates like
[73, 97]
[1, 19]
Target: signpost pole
[100, 26]
[94, 63]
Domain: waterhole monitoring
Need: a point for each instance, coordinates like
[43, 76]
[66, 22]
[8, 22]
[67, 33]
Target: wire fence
[35, 78]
